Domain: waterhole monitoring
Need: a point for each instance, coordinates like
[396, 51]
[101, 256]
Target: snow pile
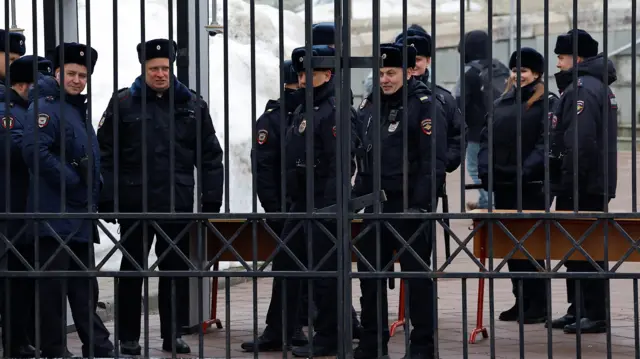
[363, 9]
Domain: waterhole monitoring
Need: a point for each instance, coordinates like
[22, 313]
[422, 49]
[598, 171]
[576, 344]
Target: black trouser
[53, 292]
[420, 290]
[533, 290]
[130, 289]
[592, 291]
[325, 289]
[17, 312]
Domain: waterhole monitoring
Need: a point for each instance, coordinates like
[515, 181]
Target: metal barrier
[138, 172]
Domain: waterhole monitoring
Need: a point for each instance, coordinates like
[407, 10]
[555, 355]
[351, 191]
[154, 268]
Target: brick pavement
[450, 320]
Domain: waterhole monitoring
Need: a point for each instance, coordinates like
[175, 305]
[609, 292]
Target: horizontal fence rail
[149, 195]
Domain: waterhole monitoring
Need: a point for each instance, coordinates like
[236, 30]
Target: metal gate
[601, 232]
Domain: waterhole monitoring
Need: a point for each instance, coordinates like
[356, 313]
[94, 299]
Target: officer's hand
[211, 207]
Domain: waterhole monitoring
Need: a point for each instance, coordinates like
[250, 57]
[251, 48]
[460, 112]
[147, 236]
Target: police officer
[505, 166]
[15, 174]
[152, 88]
[323, 33]
[421, 127]
[269, 179]
[421, 41]
[79, 171]
[586, 116]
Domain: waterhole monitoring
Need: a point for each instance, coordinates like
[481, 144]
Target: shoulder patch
[424, 98]
[554, 120]
[104, 115]
[613, 101]
[43, 120]
[333, 130]
[580, 82]
[426, 126]
[580, 106]
[363, 103]
[123, 93]
[8, 122]
[268, 110]
[262, 137]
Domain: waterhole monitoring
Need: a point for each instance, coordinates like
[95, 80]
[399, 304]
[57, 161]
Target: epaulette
[199, 99]
[363, 103]
[123, 93]
[49, 99]
[424, 98]
[443, 89]
[268, 110]
[195, 93]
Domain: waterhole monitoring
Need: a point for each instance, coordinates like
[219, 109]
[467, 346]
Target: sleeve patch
[333, 130]
[8, 122]
[262, 137]
[554, 120]
[426, 126]
[580, 106]
[43, 120]
[104, 115]
[613, 101]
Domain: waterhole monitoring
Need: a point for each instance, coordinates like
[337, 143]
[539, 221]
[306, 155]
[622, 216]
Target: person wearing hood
[16, 173]
[76, 166]
[184, 122]
[505, 166]
[475, 108]
[421, 127]
[580, 109]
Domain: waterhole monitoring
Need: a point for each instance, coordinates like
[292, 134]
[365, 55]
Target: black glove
[106, 207]
[211, 207]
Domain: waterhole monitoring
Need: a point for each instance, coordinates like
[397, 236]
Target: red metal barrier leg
[214, 304]
[479, 325]
[400, 322]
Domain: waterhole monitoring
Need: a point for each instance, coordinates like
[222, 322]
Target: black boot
[420, 352]
[560, 323]
[181, 346]
[370, 352]
[509, 315]
[535, 314]
[130, 347]
[322, 347]
[587, 326]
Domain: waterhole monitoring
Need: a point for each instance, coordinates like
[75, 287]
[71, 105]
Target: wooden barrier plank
[536, 243]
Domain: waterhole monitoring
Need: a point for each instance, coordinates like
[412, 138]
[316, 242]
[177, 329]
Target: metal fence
[327, 233]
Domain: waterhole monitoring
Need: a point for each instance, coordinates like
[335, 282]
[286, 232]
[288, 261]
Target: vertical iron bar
[405, 115]
[634, 116]
[90, 129]
[465, 324]
[636, 318]
[254, 203]
[434, 195]
[377, 167]
[309, 153]
[36, 179]
[574, 114]
[547, 186]
[172, 126]
[227, 314]
[519, 102]
[492, 336]
[145, 228]
[225, 66]
[462, 105]
[283, 109]
[63, 95]
[342, 82]
[605, 135]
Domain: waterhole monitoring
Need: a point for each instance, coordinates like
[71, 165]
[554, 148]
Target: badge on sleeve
[43, 120]
[262, 137]
[426, 126]
[7, 122]
[553, 119]
[580, 107]
[333, 130]
[363, 103]
[104, 115]
[303, 126]
[613, 101]
[393, 126]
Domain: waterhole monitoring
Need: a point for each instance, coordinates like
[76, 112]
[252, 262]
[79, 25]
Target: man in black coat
[164, 127]
[580, 109]
[422, 126]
